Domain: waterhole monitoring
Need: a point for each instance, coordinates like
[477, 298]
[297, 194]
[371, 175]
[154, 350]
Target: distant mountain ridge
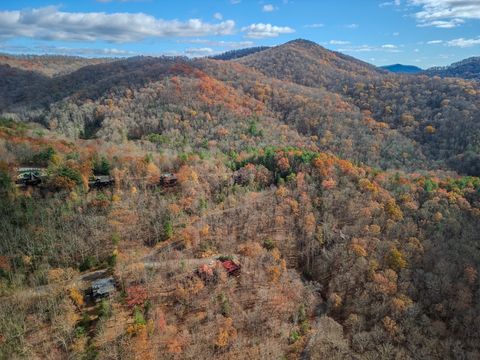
[466, 69]
[238, 53]
[402, 69]
[50, 65]
[346, 106]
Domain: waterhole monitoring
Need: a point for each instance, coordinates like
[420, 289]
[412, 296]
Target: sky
[424, 33]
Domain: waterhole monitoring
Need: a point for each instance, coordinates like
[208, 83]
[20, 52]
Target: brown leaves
[471, 274]
[226, 333]
[385, 282]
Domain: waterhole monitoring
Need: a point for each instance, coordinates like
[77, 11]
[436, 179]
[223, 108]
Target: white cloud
[82, 51]
[206, 51]
[443, 24]
[60, 50]
[432, 42]
[339, 42]
[123, 1]
[268, 8]
[463, 43]
[360, 48]
[221, 43]
[314, 26]
[218, 16]
[48, 23]
[352, 26]
[389, 48]
[260, 31]
[416, 50]
[390, 3]
[396, 33]
[446, 13]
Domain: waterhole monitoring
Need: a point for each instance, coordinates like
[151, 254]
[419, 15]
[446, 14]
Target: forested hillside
[402, 69]
[420, 113]
[236, 54]
[441, 116]
[466, 69]
[49, 65]
[317, 208]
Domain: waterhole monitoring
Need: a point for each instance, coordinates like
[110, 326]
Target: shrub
[88, 263]
[167, 230]
[269, 244]
[71, 174]
[76, 296]
[253, 129]
[115, 238]
[105, 309]
[42, 158]
[224, 305]
[138, 317]
[294, 336]
[158, 139]
[101, 166]
[6, 183]
[396, 259]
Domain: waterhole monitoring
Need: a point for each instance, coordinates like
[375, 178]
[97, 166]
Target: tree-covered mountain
[466, 69]
[238, 53]
[438, 115]
[50, 65]
[402, 69]
[320, 207]
[333, 98]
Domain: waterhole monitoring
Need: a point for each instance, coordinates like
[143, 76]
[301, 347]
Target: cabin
[102, 288]
[231, 267]
[168, 180]
[229, 264]
[30, 176]
[100, 181]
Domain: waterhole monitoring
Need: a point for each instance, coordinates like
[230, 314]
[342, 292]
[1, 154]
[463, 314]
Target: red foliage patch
[136, 295]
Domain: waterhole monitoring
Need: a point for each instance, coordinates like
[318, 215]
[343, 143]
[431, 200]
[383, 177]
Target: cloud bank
[446, 13]
[49, 23]
[261, 31]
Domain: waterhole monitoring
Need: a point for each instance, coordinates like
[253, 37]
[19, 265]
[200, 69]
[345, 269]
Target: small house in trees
[30, 176]
[230, 265]
[168, 180]
[100, 181]
[102, 288]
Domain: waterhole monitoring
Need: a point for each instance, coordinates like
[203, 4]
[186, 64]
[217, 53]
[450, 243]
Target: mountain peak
[302, 42]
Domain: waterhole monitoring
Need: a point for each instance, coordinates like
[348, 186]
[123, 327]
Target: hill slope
[106, 100]
[342, 104]
[307, 63]
[431, 112]
[327, 183]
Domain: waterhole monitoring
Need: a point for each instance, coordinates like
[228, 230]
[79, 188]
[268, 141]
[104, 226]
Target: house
[168, 180]
[102, 288]
[232, 268]
[30, 176]
[100, 181]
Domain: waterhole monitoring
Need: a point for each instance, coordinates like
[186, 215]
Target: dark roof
[103, 287]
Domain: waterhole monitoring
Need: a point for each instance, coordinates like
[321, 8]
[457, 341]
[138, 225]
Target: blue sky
[419, 32]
